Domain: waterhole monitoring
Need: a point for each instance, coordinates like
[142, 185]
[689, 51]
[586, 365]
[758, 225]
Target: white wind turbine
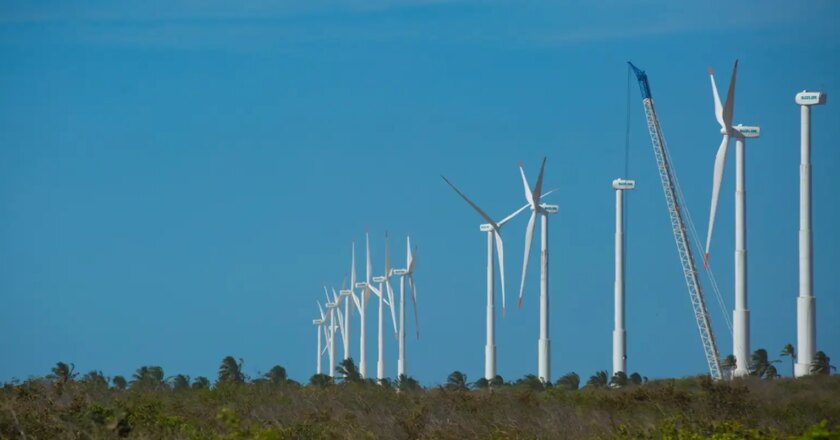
[533, 198]
[361, 303]
[407, 273]
[384, 282]
[493, 230]
[332, 305]
[319, 327]
[741, 314]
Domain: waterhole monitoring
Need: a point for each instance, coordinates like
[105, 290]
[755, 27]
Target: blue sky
[179, 179]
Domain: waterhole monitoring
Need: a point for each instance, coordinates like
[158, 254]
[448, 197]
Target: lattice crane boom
[701, 314]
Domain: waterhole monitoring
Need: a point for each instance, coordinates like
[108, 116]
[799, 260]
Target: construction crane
[701, 314]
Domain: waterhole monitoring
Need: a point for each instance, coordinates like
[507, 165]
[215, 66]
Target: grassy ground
[680, 409]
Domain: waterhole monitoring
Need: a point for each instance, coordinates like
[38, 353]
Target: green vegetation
[65, 405]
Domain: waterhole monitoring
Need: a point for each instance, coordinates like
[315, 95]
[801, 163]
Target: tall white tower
[806, 327]
[619, 331]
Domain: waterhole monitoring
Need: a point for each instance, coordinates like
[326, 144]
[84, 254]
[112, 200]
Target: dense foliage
[65, 405]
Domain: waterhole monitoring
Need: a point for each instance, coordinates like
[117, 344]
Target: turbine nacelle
[623, 184]
[747, 131]
[346, 292]
[317, 321]
[379, 279]
[550, 209]
[400, 272]
[811, 98]
[361, 285]
[486, 227]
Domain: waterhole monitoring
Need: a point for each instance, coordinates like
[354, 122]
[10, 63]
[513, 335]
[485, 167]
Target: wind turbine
[741, 314]
[319, 326]
[384, 282]
[533, 199]
[345, 332]
[493, 230]
[361, 304]
[331, 306]
[806, 325]
[407, 273]
[619, 332]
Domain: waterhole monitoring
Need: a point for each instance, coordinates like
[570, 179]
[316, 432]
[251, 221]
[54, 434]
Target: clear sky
[178, 179]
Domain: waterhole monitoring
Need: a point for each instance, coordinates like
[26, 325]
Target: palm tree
[789, 351]
[230, 371]
[729, 364]
[636, 379]
[150, 377]
[201, 383]
[760, 363]
[276, 375]
[821, 364]
[570, 381]
[407, 383]
[96, 379]
[619, 379]
[496, 381]
[179, 382]
[599, 379]
[119, 382]
[481, 384]
[347, 369]
[320, 380]
[457, 381]
[63, 372]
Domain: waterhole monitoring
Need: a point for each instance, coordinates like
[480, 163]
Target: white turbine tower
[332, 305]
[619, 330]
[533, 198]
[319, 327]
[348, 293]
[806, 324]
[384, 288]
[361, 304]
[407, 273]
[741, 314]
[493, 230]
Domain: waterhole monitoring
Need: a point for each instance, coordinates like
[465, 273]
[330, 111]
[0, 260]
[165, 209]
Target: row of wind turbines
[741, 334]
[332, 322]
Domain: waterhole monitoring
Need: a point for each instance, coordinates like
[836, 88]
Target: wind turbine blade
[356, 302]
[367, 267]
[413, 261]
[474, 206]
[414, 303]
[524, 207]
[720, 163]
[528, 196]
[500, 251]
[729, 106]
[387, 257]
[529, 237]
[327, 295]
[375, 290]
[718, 106]
[391, 305]
[320, 310]
[408, 256]
[352, 267]
[538, 188]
